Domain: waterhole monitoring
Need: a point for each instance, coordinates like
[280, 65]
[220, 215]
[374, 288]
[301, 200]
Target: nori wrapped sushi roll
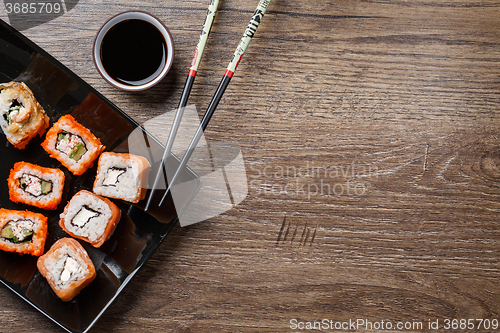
[22, 232]
[34, 185]
[90, 217]
[72, 144]
[122, 176]
[67, 268]
[22, 118]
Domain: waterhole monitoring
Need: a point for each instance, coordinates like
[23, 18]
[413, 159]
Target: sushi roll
[22, 118]
[34, 185]
[67, 268]
[72, 144]
[90, 217]
[22, 232]
[122, 176]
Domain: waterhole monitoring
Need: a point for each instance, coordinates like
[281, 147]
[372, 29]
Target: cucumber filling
[34, 185]
[72, 145]
[18, 231]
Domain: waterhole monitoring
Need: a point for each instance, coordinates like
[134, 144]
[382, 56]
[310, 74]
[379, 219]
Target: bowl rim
[126, 15]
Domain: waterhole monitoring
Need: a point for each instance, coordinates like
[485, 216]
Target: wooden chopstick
[193, 69]
[231, 68]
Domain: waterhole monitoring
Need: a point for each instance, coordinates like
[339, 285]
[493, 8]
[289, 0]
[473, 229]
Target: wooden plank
[369, 132]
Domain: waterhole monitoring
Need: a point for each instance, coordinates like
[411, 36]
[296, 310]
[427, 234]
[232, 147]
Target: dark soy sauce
[133, 52]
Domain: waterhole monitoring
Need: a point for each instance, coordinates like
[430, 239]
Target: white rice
[96, 226]
[65, 126]
[53, 177]
[13, 216]
[129, 183]
[55, 265]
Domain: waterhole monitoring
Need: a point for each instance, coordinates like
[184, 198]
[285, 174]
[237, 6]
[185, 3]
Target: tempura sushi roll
[22, 232]
[90, 217]
[34, 185]
[67, 268]
[22, 118]
[72, 144]
[122, 176]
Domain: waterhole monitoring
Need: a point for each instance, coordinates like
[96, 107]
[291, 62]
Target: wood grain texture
[370, 134]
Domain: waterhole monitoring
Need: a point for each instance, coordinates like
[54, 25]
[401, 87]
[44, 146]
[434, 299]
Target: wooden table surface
[370, 135]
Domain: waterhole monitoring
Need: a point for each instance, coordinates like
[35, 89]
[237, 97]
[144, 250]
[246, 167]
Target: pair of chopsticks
[231, 68]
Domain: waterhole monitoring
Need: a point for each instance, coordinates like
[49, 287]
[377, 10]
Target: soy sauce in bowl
[133, 52]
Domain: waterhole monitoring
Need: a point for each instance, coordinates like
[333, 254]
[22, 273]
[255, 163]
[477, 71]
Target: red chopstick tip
[192, 72]
[229, 73]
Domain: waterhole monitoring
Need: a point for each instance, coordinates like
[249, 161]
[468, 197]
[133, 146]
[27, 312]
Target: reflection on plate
[138, 234]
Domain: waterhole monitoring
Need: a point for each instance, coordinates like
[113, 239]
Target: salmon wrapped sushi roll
[90, 217]
[72, 144]
[67, 268]
[37, 186]
[122, 176]
[22, 232]
[22, 118]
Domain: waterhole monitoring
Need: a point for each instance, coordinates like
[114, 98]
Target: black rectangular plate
[138, 235]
